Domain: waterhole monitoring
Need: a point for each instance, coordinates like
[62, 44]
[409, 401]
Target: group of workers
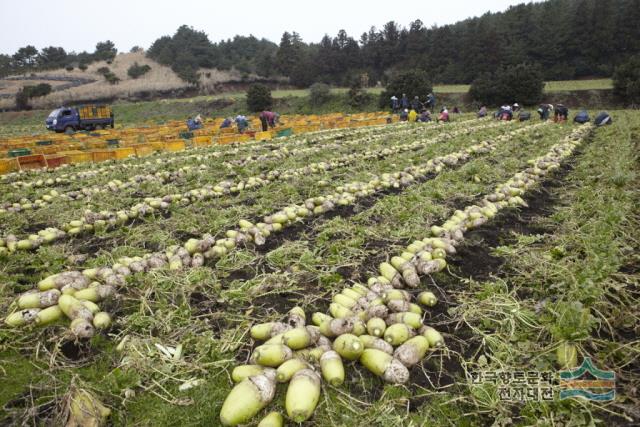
[416, 104]
[560, 114]
[268, 119]
[417, 110]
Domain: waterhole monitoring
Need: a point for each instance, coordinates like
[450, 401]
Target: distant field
[562, 85]
[552, 86]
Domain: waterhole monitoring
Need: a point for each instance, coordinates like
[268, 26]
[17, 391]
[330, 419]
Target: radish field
[365, 276]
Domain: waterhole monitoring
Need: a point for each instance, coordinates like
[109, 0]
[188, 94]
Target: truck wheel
[69, 130]
[98, 127]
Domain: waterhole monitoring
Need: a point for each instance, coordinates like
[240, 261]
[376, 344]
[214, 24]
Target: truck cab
[63, 119]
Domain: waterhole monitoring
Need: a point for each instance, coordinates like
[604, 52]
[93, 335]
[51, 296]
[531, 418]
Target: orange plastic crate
[34, 161]
[56, 160]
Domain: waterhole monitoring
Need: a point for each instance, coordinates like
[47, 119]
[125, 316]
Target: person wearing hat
[404, 115]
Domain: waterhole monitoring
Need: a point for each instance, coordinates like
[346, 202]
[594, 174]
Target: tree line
[557, 39]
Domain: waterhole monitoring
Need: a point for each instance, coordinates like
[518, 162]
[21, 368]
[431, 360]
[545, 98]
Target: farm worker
[395, 103]
[198, 119]
[413, 116]
[482, 112]
[416, 104]
[272, 118]
[404, 114]
[516, 107]
[603, 118]
[505, 113]
[444, 115]
[582, 117]
[561, 113]
[404, 101]
[226, 123]
[456, 110]
[264, 121]
[192, 124]
[242, 123]
[431, 101]
[544, 111]
[425, 116]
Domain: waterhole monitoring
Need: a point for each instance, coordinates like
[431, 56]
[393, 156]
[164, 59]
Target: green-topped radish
[348, 346]
[398, 333]
[303, 394]
[376, 326]
[248, 398]
[384, 365]
[242, 372]
[332, 368]
[289, 368]
[271, 355]
[412, 351]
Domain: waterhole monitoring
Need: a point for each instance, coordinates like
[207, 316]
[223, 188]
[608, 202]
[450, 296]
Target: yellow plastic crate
[123, 153]
[173, 146]
[263, 136]
[76, 156]
[8, 165]
[202, 141]
[144, 150]
[102, 155]
[156, 145]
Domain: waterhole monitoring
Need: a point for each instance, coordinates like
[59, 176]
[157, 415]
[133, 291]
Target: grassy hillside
[90, 84]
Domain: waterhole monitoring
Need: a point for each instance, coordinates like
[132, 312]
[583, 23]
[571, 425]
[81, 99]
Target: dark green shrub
[137, 70]
[259, 97]
[111, 78]
[319, 93]
[626, 81]
[413, 83]
[522, 83]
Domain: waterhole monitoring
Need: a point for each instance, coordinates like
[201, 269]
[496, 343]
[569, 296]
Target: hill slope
[78, 85]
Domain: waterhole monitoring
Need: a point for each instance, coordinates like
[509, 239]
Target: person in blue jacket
[404, 102]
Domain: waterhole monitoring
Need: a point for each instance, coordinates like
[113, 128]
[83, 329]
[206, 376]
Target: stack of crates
[94, 111]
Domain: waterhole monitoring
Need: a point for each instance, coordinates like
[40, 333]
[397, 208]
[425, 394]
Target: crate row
[86, 148]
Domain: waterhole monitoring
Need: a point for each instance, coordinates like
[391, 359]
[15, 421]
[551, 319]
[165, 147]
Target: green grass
[571, 85]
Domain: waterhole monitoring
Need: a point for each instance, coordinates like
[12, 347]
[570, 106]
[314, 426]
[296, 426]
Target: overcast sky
[79, 24]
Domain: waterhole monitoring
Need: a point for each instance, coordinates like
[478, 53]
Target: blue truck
[85, 117]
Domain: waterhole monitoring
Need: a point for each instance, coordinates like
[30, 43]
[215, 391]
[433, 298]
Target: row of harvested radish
[102, 282]
[429, 255]
[103, 220]
[367, 322]
[114, 186]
